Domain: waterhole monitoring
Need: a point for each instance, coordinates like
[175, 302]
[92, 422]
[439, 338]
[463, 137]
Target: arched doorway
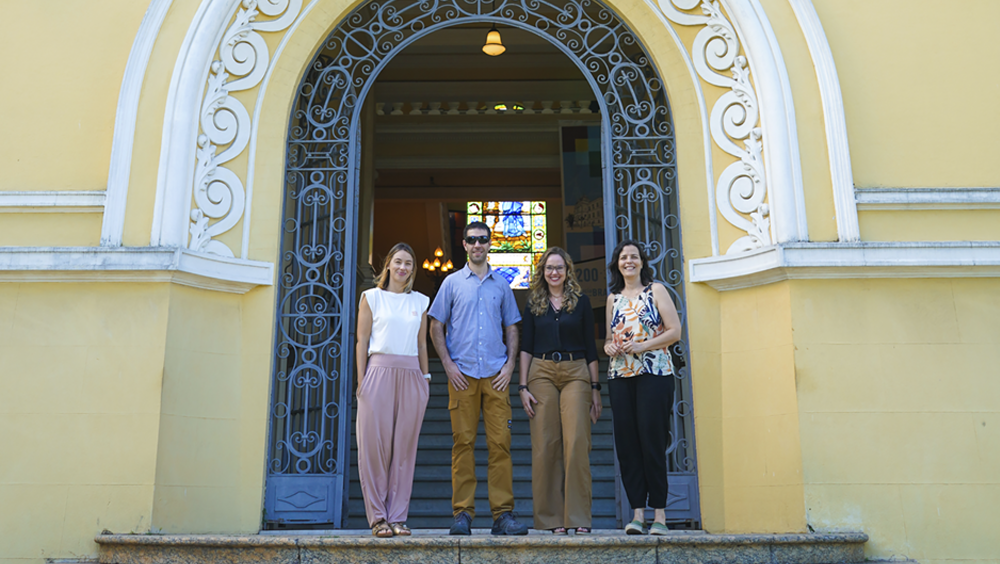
[308, 446]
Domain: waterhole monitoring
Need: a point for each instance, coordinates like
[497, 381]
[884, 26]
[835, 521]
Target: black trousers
[640, 411]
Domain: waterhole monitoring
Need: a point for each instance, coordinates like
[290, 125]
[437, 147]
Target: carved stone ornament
[244, 57]
[741, 192]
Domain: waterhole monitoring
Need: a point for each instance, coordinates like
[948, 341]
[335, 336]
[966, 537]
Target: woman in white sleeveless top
[393, 388]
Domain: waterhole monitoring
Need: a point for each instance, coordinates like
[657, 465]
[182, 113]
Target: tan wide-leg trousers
[465, 406]
[392, 399]
[560, 443]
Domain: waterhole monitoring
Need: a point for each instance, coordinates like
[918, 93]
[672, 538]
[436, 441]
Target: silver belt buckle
[557, 356]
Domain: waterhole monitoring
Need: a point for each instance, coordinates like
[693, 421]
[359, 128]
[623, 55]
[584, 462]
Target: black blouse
[560, 331]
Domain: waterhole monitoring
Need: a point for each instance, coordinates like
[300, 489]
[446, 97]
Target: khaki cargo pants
[465, 407]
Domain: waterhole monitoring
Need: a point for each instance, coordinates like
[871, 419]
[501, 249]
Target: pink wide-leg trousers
[392, 399]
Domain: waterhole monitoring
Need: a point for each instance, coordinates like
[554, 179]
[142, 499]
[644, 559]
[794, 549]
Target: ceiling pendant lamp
[493, 45]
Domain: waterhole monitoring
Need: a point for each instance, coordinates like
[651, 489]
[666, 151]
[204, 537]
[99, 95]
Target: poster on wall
[582, 188]
[583, 212]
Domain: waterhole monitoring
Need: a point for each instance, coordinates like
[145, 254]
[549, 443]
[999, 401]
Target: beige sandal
[400, 529]
[382, 530]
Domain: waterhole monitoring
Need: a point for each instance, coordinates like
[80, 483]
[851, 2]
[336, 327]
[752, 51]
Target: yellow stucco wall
[920, 110]
[930, 225]
[50, 229]
[81, 367]
[899, 416]
[62, 65]
[761, 458]
[210, 455]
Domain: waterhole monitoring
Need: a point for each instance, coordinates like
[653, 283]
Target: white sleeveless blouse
[395, 321]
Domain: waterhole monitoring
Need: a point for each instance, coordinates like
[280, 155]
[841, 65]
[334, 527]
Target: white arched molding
[205, 127]
[763, 190]
[113, 222]
[760, 193]
[834, 121]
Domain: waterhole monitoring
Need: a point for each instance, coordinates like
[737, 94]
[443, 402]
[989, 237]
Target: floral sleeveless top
[638, 320]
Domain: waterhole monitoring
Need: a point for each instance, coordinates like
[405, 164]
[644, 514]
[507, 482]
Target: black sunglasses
[481, 239]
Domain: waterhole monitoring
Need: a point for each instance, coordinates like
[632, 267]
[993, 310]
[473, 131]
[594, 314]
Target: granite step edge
[608, 548]
[599, 537]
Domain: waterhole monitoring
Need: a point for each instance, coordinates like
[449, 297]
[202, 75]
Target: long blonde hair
[382, 280]
[538, 293]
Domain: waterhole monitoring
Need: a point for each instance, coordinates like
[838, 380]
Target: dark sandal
[559, 531]
[400, 529]
[583, 530]
[382, 530]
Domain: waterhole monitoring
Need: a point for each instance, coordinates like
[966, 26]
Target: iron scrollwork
[312, 383]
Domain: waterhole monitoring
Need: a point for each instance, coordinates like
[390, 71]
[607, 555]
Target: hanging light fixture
[493, 45]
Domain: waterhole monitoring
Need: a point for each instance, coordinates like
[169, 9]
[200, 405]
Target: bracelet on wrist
[521, 388]
[595, 386]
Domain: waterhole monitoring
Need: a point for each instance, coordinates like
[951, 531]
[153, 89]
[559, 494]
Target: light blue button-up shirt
[475, 313]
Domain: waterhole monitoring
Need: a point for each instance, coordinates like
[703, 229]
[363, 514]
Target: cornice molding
[796, 261]
[911, 199]
[466, 162]
[52, 201]
[133, 264]
[499, 90]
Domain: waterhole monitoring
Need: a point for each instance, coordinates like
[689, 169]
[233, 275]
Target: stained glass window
[518, 237]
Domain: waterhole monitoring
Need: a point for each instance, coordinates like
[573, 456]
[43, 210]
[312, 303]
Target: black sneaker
[462, 524]
[506, 524]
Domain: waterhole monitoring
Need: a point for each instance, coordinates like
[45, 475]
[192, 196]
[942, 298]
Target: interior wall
[409, 222]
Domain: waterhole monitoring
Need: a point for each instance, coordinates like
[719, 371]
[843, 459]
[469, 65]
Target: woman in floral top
[642, 324]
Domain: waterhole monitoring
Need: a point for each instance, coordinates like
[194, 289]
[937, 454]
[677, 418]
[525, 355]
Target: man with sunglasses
[478, 308]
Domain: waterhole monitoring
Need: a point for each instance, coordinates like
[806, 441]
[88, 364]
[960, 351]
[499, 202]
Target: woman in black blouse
[559, 392]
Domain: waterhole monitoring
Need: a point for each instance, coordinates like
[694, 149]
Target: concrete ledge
[603, 547]
[888, 199]
[798, 261]
[52, 201]
[133, 264]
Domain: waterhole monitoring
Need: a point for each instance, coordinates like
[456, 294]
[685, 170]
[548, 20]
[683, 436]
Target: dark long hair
[645, 271]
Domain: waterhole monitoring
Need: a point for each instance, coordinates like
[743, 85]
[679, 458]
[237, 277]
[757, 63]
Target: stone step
[603, 443]
[432, 456]
[601, 489]
[522, 473]
[438, 423]
[436, 547]
[439, 399]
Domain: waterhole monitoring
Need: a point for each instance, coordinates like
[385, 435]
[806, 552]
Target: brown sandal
[382, 530]
[400, 529]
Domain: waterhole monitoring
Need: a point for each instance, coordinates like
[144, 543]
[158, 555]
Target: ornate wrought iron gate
[311, 391]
